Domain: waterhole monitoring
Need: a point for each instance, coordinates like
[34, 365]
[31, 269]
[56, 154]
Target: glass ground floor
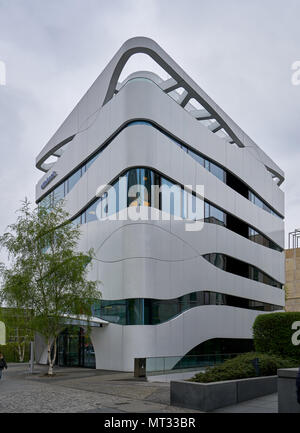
[75, 349]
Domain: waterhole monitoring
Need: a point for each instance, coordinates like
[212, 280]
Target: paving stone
[266, 404]
[76, 390]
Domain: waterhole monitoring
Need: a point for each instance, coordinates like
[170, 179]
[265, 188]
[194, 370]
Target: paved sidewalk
[81, 390]
[266, 404]
[74, 390]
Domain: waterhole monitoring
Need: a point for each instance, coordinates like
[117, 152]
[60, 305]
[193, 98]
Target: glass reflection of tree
[139, 182]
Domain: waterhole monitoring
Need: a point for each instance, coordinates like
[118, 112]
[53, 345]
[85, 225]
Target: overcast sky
[239, 52]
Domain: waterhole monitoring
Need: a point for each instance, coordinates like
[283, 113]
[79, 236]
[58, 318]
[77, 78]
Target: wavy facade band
[167, 291]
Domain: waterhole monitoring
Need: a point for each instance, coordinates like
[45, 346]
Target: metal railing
[294, 239]
[175, 364]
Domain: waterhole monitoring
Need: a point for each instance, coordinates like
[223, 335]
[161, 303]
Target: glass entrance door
[75, 349]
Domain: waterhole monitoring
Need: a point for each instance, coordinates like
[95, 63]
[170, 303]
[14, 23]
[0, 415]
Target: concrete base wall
[210, 396]
[183, 375]
[287, 397]
[255, 387]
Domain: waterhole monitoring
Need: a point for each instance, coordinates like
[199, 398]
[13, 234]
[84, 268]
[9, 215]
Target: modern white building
[167, 290]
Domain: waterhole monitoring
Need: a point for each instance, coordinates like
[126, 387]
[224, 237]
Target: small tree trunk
[19, 347]
[50, 369]
[20, 352]
[23, 352]
[51, 360]
[54, 353]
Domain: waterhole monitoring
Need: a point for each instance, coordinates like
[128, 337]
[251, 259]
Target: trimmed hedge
[273, 332]
[241, 367]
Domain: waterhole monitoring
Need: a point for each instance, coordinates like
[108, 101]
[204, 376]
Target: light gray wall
[103, 89]
[145, 100]
[117, 346]
[160, 259]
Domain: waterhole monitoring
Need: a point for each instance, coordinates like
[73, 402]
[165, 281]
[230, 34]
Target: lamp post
[31, 362]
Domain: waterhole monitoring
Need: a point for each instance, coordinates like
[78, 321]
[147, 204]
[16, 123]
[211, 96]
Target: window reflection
[73, 180]
[171, 196]
[214, 168]
[139, 187]
[145, 187]
[148, 311]
[217, 171]
[243, 269]
[91, 212]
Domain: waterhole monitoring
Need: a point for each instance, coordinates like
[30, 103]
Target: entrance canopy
[82, 321]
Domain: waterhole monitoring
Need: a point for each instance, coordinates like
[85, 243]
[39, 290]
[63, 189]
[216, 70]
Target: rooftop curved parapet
[107, 85]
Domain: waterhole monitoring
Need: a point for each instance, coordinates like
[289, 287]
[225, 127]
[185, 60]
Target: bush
[241, 367]
[10, 353]
[273, 332]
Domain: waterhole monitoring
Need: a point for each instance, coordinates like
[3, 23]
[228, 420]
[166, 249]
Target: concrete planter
[287, 398]
[183, 375]
[210, 396]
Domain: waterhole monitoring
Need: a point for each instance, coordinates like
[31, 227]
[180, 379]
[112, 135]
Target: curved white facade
[160, 260]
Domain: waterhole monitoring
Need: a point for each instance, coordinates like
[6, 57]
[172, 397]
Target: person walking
[298, 386]
[2, 364]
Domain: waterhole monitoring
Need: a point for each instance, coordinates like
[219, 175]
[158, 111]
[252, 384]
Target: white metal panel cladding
[104, 87]
[162, 110]
[159, 259]
[144, 146]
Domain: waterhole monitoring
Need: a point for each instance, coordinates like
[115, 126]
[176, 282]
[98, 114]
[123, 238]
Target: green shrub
[241, 367]
[273, 332]
[10, 352]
